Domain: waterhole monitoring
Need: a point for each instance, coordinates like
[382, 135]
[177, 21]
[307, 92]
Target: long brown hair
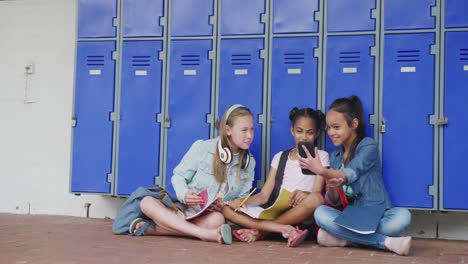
[219, 167]
[351, 107]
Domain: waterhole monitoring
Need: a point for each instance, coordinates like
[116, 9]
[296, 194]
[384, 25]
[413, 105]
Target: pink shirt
[293, 178]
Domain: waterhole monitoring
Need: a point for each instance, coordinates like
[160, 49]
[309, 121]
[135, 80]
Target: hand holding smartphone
[311, 148]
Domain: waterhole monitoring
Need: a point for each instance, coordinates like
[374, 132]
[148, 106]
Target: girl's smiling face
[304, 129]
[338, 129]
[241, 133]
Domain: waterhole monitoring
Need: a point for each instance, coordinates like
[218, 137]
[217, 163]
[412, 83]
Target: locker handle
[442, 121]
[167, 121]
[383, 125]
[216, 122]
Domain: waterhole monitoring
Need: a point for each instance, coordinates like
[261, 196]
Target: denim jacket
[364, 174]
[195, 171]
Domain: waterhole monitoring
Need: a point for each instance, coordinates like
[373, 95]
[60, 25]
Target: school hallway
[64, 239]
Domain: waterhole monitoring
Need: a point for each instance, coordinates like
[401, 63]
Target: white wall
[35, 137]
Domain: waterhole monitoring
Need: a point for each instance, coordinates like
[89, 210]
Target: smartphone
[311, 148]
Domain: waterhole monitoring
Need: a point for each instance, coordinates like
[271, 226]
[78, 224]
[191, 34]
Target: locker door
[350, 71]
[141, 18]
[402, 14]
[140, 103]
[455, 13]
[455, 151]
[189, 99]
[191, 18]
[242, 17]
[345, 15]
[94, 103]
[408, 101]
[96, 18]
[293, 84]
[295, 18]
[241, 82]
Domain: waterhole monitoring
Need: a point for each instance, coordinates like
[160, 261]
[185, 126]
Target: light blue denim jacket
[364, 174]
[195, 171]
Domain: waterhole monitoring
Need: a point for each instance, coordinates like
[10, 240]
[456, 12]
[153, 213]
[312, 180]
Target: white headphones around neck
[225, 154]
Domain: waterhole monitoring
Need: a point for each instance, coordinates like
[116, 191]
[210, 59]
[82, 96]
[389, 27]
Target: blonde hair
[219, 167]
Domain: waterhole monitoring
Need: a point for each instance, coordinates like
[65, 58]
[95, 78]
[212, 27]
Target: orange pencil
[246, 198]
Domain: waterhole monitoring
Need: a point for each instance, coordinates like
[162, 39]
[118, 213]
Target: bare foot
[148, 231]
[249, 235]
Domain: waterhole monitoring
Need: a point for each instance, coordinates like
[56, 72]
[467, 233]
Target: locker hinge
[373, 51]
[262, 119]
[209, 119]
[263, 54]
[431, 190]
[114, 55]
[433, 120]
[163, 21]
[318, 16]
[435, 10]
[161, 55]
[159, 118]
[157, 180]
[212, 20]
[434, 49]
[316, 52]
[115, 22]
[263, 18]
[373, 119]
[374, 13]
[114, 116]
[167, 122]
[74, 122]
[110, 177]
[211, 55]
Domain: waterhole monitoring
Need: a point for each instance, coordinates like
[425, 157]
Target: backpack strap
[279, 177]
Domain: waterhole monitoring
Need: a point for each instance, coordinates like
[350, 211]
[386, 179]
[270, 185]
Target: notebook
[274, 211]
[360, 219]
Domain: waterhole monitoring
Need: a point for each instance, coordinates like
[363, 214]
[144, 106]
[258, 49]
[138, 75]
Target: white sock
[327, 240]
[399, 245]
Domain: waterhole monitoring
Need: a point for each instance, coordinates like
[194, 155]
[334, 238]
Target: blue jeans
[393, 223]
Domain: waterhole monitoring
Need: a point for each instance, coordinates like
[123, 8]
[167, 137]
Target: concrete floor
[61, 239]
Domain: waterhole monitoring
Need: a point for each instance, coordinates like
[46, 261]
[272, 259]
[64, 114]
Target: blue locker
[408, 101]
[140, 103]
[455, 13]
[141, 18]
[96, 18]
[295, 18]
[191, 18]
[94, 103]
[242, 17]
[403, 14]
[455, 183]
[345, 15]
[189, 99]
[294, 84]
[350, 71]
[241, 82]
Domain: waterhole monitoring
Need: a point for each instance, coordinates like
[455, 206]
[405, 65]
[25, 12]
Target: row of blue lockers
[190, 18]
[408, 92]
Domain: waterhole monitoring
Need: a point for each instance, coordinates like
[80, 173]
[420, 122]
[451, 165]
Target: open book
[280, 206]
[360, 219]
[206, 203]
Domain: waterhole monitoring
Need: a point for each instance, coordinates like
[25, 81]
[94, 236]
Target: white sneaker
[327, 240]
[399, 245]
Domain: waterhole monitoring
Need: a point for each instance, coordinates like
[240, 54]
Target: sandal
[297, 239]
[142, 229]
[255, 232]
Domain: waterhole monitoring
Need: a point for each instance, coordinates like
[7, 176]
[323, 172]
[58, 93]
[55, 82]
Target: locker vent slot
[241, 59]
[350, 57]
[94, 60]
[141, 60]
[408, 55]
[463, 54]
[188, 60]
[294, 58]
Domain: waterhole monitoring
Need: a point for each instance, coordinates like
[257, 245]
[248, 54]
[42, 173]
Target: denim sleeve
[329, 201]
[186, 169]
[247, 183]
[365, 157]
